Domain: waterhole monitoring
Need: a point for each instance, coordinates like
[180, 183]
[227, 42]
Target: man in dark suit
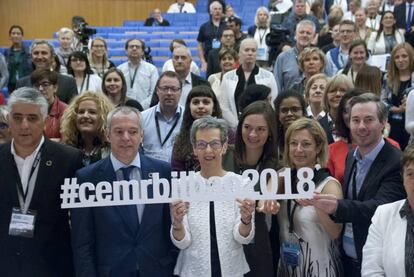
[372, 178]
[227, 40]
[34, 230]
[401, 12]
[43, 57]
[123, 240]
[181, 58]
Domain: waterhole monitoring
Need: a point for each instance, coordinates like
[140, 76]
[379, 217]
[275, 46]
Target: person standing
[42, 247]
[128, 240]
[372, 178]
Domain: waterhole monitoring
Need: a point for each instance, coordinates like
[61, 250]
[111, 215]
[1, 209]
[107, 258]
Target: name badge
[261, 53]
[290, 253]
[216, 43]
[22, 224]
[349, 234]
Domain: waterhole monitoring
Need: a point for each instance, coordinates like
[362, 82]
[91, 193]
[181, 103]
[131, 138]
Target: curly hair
[70, 133]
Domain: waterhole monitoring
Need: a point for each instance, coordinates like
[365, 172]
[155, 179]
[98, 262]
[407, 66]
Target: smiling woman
[83, 125]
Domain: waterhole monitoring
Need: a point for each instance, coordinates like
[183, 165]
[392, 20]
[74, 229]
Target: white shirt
[187, 8]
[24, 165]
[185, 90]
[92, 82]
[168, 66]
[143, 85]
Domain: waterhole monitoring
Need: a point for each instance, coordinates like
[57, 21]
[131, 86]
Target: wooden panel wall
[40, 18]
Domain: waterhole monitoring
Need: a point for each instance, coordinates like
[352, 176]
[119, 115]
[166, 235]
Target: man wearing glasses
[162, 122]
[140, 75]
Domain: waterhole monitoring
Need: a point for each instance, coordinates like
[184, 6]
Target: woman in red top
[46, 80]
[339, 149]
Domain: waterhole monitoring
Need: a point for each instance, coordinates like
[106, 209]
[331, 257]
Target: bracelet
[248, 223]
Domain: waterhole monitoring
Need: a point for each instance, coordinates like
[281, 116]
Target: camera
[84, 32]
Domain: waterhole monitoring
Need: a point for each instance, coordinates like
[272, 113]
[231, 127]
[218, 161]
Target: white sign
[188, 187]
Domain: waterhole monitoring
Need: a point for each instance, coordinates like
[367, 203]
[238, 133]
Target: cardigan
[194, 257]
[228, 88]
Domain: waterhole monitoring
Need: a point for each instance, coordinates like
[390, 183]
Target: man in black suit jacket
[400, 15]
[372, 178]
[42, 57]
[182, 63]
[132, 240]
[227, 40]
[34, 166]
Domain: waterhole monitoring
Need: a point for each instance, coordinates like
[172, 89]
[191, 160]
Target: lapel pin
[49, 163]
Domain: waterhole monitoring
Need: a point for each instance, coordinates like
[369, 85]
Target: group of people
[327, 114]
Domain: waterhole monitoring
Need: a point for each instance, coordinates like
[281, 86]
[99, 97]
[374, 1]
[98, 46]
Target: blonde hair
[335, 82]
[309, 51]
[318, 134]
[70, 133]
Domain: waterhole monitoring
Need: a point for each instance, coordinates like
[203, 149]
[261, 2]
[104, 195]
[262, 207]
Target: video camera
[84, 32]
[277, 36]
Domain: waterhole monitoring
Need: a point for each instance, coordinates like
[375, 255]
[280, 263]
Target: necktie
[181, 7]
[126, 172]
[409, 15]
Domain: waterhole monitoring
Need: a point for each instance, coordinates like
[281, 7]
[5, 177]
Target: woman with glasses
[114, 87]
[83, 125]
[78, 66]
[383, 41]
[289, 107]
[46, 81]
[98, 57]
[335, 89]
[4, 126]
[308, 235]
[210, 235]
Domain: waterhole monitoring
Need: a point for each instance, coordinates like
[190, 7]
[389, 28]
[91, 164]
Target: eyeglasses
[286, 110]
[134, 46]
[168, 89]
[75, 60]
[44, 85]
[98, 46]
[215, 144]
[3, 125]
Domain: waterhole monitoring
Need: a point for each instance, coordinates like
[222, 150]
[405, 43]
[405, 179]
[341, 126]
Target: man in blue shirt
[372, 178]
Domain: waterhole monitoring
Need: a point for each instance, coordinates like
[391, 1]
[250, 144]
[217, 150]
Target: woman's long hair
[393, 77]
[381, 28]
[270, 152]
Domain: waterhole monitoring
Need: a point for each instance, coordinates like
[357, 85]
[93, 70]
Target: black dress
[397, 120]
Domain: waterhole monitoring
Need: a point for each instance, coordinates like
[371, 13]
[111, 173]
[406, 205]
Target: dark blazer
[49, 252]
[107, 241]
[213, 62]
[67, 88]
[401, 21]
[195, 81]
[382, 184]
[152, 22]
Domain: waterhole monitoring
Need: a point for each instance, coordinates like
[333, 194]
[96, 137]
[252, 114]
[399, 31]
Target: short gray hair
[382, 111]
[206, 123]
[43, 42]
[29, 95]
[123, 110]
[306, 22]
[187, 50]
